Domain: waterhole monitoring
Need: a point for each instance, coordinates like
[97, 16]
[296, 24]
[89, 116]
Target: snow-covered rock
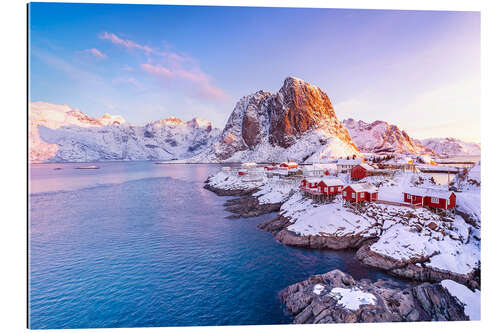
[336, 297]
[298, 122]
[60, 133]
[470, 299]
[380, 136]
[451, 147]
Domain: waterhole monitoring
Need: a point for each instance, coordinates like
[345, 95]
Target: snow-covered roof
[242, 170]
[326, 166]
[363, 187]
[366, 166]
[428, 192]
[249, 164]
[344, 161]
[314, 180]
[332, 181]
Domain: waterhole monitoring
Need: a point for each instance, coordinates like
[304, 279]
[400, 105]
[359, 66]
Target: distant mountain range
[298, 122]
[59, 133]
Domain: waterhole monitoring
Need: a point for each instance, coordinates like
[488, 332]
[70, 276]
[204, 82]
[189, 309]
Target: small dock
[316, 195]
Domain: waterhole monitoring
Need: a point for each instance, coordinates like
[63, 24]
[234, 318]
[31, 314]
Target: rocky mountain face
[380, 136]
[451, 146]
[59, 133]
[298, 122]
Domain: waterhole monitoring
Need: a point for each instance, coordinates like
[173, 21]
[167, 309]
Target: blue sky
[417, 69]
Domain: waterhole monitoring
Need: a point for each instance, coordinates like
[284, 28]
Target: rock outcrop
[335, 297]
[414, 269]
[298, 122]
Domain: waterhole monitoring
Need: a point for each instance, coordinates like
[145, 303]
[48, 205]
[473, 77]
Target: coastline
[414, 269]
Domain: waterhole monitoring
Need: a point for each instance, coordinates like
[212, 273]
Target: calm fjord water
[138, 244]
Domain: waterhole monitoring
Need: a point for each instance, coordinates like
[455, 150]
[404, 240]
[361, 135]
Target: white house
[345, 165]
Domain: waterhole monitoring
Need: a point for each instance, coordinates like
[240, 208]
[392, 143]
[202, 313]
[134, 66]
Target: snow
[457, 251]
[428, 192]
[318, 289]
[354, 161]
[402, 233]
[59, 133]
[470, 299]
[451, 146]
[332, 219]
[381, 136]
[470, 202]
[352, 298]
[276, 190]
[474, 173]
[230, 180]
[363, 187]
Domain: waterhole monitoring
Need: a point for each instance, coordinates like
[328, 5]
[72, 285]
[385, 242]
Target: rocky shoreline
[403, 269]
[335, 297]
[427, 301]
[247, 205]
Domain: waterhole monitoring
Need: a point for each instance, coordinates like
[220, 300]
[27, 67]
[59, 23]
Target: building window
[362, 195]
[344, 193]
[408, 196]
[448, 202]
[435, 200]
[353, 195]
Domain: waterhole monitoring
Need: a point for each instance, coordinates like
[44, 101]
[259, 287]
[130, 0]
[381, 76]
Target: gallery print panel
[212, 165]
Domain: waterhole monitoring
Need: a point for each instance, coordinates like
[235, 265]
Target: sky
[419, 70]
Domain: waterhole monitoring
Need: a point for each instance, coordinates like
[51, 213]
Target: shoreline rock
[249, 206]
[410, 269]
[246, 205]
[324, 298]
[224, 192]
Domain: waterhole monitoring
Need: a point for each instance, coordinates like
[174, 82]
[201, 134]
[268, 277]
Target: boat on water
[88, 167]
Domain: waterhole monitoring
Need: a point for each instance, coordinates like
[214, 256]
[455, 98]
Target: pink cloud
[95, 52]
[197, 78]
[125, 42]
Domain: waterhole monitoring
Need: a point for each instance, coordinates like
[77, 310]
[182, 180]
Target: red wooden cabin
[310, 183]
[430, 198]
[289, 165]
[330, 186]
[360, 192]
[361, 171]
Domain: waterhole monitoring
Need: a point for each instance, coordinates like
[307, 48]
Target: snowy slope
[296, 123]
[59, 133]
[451, 146]
[380, 136]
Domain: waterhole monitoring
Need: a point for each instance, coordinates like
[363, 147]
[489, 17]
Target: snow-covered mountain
[451, 146]
[60, 133]
[380, 136]
[298, 122]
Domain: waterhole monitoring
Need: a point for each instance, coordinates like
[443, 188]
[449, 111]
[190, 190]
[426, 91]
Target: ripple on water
[158, 251]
